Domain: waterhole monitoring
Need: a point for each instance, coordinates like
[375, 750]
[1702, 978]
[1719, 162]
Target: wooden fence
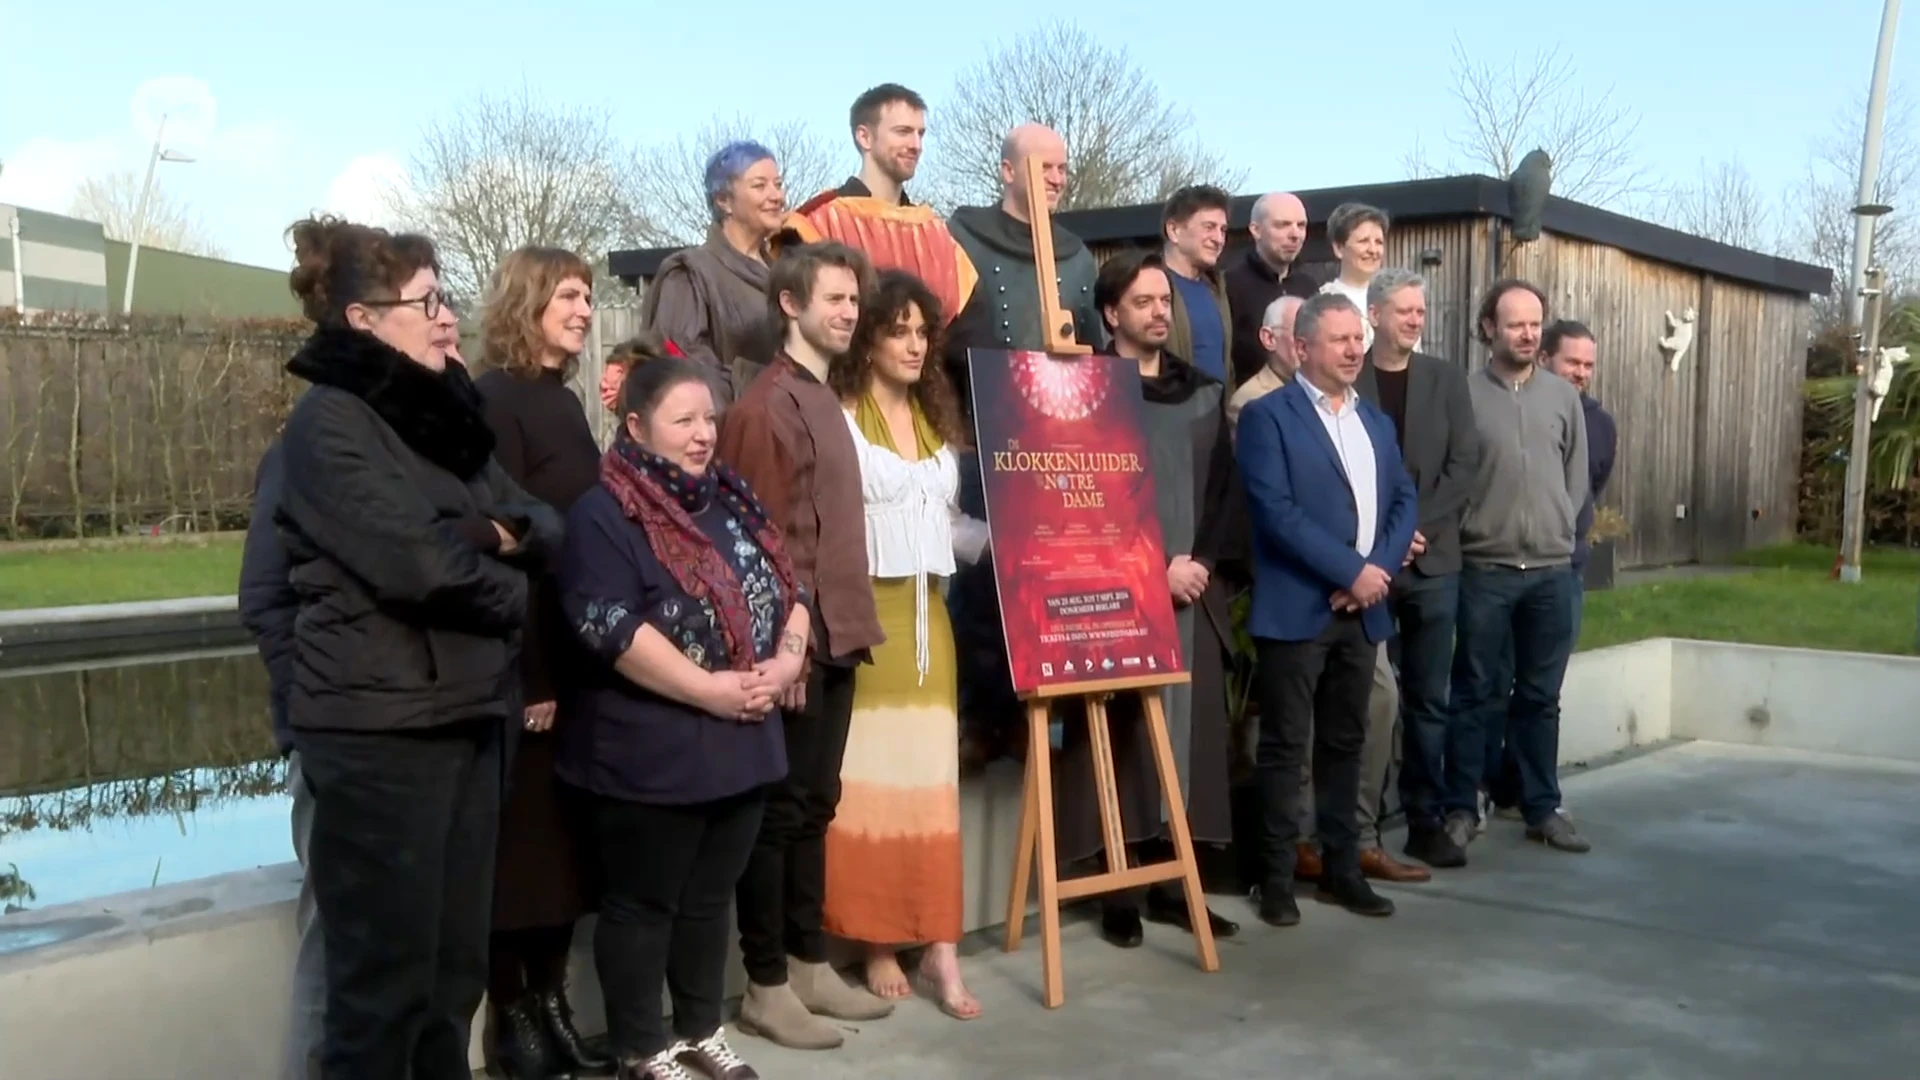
[106, 430]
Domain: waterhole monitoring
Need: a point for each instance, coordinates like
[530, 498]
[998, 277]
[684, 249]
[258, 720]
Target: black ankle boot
[522, 1049]
[588, 1057]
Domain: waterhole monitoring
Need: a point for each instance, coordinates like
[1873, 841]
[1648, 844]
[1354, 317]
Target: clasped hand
[1186, 579]
[1368, 589]
[748, 696]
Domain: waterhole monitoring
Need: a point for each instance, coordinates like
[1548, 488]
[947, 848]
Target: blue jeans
[1502, 776]
[1425, 609]
[1522, 622]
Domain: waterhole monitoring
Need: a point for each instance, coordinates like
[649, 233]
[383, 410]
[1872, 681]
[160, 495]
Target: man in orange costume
[871, 210]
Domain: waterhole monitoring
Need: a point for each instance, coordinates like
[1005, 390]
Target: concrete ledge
[35, 636]
[192, 979]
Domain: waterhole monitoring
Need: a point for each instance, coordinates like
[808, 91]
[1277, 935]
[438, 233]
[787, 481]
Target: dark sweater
[625, 741]
[1602, 439]
[543, 440]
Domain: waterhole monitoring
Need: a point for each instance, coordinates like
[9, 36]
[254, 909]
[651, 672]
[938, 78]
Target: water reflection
[125, 774]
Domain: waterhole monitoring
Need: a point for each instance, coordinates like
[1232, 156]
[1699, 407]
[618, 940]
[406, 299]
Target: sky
[316, 107]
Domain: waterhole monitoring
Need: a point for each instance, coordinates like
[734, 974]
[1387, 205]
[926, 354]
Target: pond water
[125, 774]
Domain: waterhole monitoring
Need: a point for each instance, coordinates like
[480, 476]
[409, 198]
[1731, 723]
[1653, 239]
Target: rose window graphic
[1065, 388]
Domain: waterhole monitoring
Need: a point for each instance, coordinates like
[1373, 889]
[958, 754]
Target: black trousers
[670, 873]
[401, 863]
[782, 893]
[1312, 692]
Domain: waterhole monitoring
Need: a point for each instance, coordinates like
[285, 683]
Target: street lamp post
[160, 154]
[1853, 530]
[1870, 159]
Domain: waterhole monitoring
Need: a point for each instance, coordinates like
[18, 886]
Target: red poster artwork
[1077, 553]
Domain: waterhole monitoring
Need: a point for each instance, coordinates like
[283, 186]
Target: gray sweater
[1533, 471]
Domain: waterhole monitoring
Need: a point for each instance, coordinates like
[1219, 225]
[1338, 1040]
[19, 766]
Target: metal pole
[1870, 156]
[19, 268]
[140, 216]
[1853, 533]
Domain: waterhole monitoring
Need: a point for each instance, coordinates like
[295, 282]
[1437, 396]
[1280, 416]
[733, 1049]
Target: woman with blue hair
[711, 300]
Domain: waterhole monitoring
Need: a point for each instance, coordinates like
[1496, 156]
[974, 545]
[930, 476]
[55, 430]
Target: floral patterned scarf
[661, 498]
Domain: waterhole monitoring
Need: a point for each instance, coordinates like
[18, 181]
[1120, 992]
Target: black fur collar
[427, 410]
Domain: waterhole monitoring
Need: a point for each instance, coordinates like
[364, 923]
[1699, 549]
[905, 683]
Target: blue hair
[726, 165]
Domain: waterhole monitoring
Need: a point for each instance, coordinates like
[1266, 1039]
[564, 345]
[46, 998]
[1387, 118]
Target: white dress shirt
[1355, 447]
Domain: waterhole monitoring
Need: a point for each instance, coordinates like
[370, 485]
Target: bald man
[1004, 314]
[1005, 310]
[1263, 273]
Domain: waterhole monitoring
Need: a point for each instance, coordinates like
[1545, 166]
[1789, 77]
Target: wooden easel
[1036, 809]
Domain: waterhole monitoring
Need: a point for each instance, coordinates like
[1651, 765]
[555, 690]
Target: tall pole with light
[160, 154]
[1866, 213]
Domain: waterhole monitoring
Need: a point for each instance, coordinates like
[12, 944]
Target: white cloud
[361, 191]
[43, 173]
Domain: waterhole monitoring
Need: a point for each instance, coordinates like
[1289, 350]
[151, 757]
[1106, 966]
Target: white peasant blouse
[914, 525]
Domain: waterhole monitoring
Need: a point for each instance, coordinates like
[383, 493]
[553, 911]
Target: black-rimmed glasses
[430, 304]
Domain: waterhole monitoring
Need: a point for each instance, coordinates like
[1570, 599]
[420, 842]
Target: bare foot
[884, 976]
[941, 967]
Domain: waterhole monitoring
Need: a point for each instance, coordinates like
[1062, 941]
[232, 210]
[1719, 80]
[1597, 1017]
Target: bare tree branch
[1125, 143]
[113, 201]
[1512, 106]
[670, 178]
[1720, 203]
[508, 170]
[1818, 223]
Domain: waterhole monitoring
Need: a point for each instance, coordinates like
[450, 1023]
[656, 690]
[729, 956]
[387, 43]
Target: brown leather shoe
[1377, 864]
[1306, 862]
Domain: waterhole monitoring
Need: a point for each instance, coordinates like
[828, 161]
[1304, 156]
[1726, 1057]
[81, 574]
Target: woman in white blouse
[894, 849]
[1358, 233]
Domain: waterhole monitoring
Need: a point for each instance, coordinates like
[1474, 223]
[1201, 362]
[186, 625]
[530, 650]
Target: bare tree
[113, 201]
[1125, 142]
[671, 176]
[1720, 203]
[1512, 106]
[1818, 223]
[503, 171]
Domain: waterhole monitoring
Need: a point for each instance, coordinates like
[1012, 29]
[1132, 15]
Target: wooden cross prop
[1036, 847]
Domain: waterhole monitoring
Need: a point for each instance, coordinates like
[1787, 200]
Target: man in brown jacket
[789, 439]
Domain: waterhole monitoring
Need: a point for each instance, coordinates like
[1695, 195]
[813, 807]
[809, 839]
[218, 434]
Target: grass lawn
[1786, 599]
[105, 575]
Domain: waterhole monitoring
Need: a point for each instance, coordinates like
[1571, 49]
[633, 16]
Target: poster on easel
[1078, 557]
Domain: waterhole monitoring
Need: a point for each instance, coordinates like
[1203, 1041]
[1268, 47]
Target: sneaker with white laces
[664, 1065]
[717, 1059]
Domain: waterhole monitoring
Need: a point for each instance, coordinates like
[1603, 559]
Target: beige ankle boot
[823, 991]
[775, 1013]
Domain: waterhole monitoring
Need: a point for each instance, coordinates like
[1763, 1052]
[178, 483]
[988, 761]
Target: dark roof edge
[1443, 197]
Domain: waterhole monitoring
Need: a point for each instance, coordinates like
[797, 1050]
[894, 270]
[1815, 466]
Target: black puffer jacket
[268, 605]
[408, 617]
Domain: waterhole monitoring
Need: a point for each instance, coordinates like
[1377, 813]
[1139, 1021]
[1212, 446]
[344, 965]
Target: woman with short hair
[681, 589]
[712, 298]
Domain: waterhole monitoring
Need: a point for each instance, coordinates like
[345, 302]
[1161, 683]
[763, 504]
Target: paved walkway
[1744, 915]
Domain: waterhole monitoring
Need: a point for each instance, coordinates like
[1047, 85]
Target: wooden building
[1709, 454]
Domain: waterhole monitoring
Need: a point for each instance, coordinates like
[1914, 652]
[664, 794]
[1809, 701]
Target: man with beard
[871, 211]
[1201, 514]
[1004, 314]
[789, 439]
[1432, 413]
[1263, 273]
[1193, 228]
[1517, 593]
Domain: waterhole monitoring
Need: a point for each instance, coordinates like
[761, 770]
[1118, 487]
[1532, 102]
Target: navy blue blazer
[1304, 517]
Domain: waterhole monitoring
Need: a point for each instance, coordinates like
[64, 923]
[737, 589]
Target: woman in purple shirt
[675, 580]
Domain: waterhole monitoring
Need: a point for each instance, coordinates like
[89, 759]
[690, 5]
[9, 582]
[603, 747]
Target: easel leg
[1182, 835]
[1040, 770]
[1023, 859]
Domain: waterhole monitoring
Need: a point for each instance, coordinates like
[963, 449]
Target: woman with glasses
[538, 312]
[405, 543]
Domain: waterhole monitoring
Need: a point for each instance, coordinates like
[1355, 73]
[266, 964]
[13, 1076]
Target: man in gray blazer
[1430, 405]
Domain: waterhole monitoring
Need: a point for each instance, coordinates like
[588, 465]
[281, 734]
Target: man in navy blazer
[1333, 512]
